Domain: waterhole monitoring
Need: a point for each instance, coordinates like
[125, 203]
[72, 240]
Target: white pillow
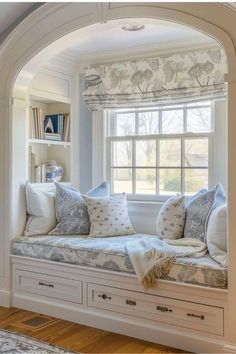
[40, 207]
[217, 235]
[171, 218]
[109, 216]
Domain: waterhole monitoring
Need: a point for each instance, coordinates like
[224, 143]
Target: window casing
[153, 153]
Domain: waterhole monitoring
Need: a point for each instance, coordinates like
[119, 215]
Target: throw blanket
[152, 257]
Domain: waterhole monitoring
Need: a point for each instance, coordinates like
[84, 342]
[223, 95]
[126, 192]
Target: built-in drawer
[49, 285]
[176, 312]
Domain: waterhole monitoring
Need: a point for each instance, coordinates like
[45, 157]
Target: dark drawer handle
[131, 302]
[197, 316]
[48, 285]
[163, 309]
[104, 296]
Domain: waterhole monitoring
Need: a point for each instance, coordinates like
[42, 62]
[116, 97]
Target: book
[31, 165]
[66, 127]
[36, 123]
[53, 124]
[48, 136]
[49, 127]
[38, 174]
[43, 173]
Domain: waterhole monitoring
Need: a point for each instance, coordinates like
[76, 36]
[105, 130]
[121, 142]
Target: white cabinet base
[177, 315]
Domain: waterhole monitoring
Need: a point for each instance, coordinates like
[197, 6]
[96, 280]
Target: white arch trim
[41, 35]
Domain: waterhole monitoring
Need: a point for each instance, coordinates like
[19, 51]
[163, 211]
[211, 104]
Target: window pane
[170, 152]
[172, 122]
[122, 180]
[122, 153]
[125, 124]
[146, 153]
[199, 120]
[199, 103]
[148, 123]
[195, 179]
[169, 181]
[145, 181]
[196, 152]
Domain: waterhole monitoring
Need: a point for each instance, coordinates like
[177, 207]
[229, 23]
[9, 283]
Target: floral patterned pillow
[109, 216]
[171, 218]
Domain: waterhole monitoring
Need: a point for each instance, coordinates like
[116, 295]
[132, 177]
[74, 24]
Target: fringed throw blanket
[152, 257]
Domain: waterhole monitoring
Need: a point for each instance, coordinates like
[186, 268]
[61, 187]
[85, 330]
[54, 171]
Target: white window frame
[217, 166]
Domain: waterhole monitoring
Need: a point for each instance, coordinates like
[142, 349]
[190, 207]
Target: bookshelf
[43, 152]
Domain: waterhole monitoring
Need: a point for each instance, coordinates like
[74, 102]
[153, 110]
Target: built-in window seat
[110, 254]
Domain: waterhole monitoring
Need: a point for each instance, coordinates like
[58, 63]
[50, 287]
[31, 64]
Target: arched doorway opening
[31, 57]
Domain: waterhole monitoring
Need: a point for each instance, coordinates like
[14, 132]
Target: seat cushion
[110, 254]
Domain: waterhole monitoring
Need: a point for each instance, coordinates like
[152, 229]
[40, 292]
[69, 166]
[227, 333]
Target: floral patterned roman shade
[163, 79]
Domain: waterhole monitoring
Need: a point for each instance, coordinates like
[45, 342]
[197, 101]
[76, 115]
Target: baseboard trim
[115, 323]
[5, 298]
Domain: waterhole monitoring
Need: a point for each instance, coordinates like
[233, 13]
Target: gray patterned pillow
[171, 218]
[199, 210]
[71, 210]
[109, 216]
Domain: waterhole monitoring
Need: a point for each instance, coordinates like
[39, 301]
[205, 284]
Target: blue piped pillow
[71, 210]
[102, 190]
[199, 209]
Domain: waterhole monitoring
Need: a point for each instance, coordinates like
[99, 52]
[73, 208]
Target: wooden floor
[73, 336]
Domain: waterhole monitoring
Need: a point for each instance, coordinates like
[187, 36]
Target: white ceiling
[99, 40]
[10, 12]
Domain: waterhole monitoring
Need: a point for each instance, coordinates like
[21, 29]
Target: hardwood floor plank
[77, 337]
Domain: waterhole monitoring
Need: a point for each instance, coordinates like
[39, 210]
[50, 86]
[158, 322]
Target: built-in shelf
[49, 142]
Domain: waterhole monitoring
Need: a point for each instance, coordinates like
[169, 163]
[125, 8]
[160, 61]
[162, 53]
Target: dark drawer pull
[197, 316]
[163, 309]
[48, 285]
[131, 302]
[104, 296]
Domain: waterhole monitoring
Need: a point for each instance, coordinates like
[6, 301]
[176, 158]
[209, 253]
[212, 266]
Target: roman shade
[162, 79]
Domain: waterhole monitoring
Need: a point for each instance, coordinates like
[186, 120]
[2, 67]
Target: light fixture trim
[133, 28]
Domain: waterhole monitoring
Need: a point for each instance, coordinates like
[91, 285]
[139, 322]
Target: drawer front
[49, 285]
[157, 308]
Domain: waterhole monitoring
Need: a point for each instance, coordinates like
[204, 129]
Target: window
[158, 152]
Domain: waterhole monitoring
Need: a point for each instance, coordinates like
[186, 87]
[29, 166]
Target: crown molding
[133, 53]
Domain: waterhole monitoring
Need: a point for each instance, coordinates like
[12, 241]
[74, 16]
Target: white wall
[85, 142]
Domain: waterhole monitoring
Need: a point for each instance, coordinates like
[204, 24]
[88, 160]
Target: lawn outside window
[154, 153]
